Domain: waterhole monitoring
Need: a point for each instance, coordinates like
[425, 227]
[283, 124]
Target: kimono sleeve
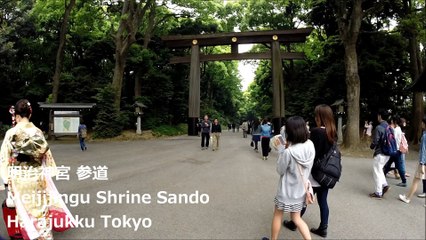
[5, 153]
[50, 164]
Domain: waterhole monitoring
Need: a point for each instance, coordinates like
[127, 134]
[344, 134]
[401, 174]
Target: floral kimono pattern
[27, 165]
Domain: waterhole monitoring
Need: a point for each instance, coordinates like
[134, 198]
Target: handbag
[309, 198]
[60, 220]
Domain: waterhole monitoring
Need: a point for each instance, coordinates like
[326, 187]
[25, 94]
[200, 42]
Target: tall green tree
[60, 53]
[412, 25]
[14, 23]
[348, 19]
[132, 14]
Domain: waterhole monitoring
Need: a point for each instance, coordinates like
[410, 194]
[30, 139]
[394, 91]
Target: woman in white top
[397, 159]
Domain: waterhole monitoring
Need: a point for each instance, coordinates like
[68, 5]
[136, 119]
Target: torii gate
[274, 37]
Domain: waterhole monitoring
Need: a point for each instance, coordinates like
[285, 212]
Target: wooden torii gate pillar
[274, 38]
[194, 91]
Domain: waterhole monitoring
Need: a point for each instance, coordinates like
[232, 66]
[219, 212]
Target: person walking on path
[380, 159]
[323, 136]
[82, 135]
[420, 172]
[369, 131]
[403, 125]
[294, 166]
[256, 134]
[244, 127]
[396, 159]
[205, 132]
[216, 131]
[265, 136]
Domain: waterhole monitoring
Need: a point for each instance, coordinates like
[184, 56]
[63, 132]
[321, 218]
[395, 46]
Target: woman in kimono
[27, 165]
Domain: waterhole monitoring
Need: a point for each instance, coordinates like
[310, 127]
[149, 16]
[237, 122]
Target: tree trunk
[130, 21]
[418, 108]
[349, 23]
[418, 104]
[138, 85]
[146, 40]
[415, 67]
[353, 94]
[60, 52]
[117, 80]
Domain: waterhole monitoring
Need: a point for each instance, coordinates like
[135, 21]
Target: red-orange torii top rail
[215, 39]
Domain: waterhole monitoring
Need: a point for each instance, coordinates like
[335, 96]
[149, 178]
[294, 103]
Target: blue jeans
[402, 164]
[82, 144]
[322, 193]
[399, 161]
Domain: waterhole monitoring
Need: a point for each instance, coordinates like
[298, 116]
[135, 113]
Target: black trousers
[205, 137]
[265, 146]
[424, 185]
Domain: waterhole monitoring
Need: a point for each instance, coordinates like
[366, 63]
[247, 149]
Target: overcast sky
[246, 69]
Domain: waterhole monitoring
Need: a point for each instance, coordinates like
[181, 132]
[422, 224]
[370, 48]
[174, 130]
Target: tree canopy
[113, 49]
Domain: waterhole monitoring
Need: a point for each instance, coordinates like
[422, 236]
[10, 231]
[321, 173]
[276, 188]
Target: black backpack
[327, 170]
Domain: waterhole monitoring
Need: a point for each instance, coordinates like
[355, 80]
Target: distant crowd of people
[384, 158]
[300, 148]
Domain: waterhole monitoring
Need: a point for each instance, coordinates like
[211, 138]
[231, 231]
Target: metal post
[194, 90]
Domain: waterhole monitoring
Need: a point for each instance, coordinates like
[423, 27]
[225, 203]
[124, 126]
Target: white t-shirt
[369, 130]
[398, 135]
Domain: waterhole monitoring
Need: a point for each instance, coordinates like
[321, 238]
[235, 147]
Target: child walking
[294, 167]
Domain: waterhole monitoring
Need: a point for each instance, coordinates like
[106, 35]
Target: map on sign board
[66, 124]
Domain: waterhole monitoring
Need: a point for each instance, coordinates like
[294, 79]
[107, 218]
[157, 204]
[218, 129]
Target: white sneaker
[404, 198]
[422, 195]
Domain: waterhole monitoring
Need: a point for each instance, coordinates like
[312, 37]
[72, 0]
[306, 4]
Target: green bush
[109, 122]
[168, 130]
[151, 122]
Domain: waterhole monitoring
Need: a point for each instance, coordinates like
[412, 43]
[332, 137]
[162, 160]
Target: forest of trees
[110, 52]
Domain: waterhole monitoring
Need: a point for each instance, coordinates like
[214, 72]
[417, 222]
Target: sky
[246, 69]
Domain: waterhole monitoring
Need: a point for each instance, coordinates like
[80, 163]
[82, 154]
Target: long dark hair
[296, 130]
[324, 118]
[396, 120]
